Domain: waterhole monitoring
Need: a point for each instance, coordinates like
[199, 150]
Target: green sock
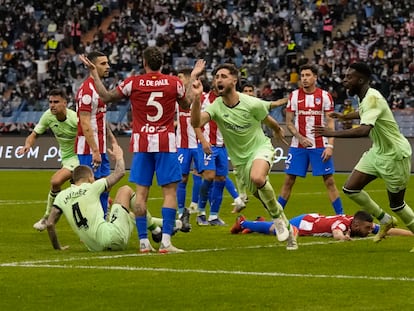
[267, 195]
[50, 199]
[407, 216]
[367, 204]
[151, 225]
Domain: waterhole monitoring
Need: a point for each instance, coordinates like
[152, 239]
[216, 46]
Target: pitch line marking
[247, 273]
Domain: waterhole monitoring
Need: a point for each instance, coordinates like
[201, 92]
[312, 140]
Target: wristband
[329, 146]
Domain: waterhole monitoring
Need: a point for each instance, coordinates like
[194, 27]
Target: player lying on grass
[340, 227]
[81, 205]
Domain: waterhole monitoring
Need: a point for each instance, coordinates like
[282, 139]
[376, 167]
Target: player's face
[248, 90]
[102, 66]
[351, 81]
[57, 105]
[184, 79]
[361, 228]
[225, 83]
[307, 79]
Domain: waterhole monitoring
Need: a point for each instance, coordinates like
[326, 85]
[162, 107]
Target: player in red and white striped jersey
[309, 106]
[91, 139]
[188, 156]
[153, 97]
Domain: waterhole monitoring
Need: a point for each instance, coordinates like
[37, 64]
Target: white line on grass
[249, 273]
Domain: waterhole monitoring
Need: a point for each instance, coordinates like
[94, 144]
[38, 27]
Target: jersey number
[152, 102]
[80, 221]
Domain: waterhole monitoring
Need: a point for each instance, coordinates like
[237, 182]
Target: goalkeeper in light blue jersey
[239, 118]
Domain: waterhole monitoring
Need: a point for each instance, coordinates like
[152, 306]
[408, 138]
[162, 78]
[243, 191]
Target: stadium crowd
[266, 39]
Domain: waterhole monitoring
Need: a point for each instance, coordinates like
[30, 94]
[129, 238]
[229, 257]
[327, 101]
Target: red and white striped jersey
[320, 225]
[210, 131]
[87, 99]
[186, 137]
[309, 110]
[153, 99]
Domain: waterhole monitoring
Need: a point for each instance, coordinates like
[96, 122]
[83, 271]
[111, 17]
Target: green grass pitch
[218, 271]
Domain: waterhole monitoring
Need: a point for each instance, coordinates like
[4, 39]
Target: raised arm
[118, 155]
[107, 96]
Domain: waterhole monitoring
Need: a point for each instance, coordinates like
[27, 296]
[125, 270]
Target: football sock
[168, 220]
[337, 206]
[231, 188]
[406, 214]
[196, 188]
[151, 225]
[181, 193]
[267, 196]
[240, 185]
[141, 223]
[217, 195]
[282, 201]
[50, 199]
[204, 189]
[363, 199]
[257, 226]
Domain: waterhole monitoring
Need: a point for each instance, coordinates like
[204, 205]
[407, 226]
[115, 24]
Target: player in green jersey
[239, 118]
[389, 158]
[63, 123]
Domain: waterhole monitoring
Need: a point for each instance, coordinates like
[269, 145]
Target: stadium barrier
[45, 154]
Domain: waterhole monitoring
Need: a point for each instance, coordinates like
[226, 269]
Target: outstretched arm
[30, 140]
[54, 217]
[360, 131]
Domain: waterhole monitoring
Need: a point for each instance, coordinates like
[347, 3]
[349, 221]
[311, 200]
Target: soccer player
[389, 157]
[91, 141]
[153, 97]
[81, 205]
[308, 106]
[187, 147]
[63, 123]
[214, 168]
[239, 118]
[340, 227]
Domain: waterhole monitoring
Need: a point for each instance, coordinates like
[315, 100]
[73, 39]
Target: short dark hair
[230, 67]
[80, 172]
[363, 216]
[310, 67]
[92, 56]
[362, 69]
[58, 92]
[247, 84]
[185, 71]
[153, 57]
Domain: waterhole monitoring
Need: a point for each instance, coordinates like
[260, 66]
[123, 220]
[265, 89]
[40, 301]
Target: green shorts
[243, 171]
[123, 225]
[70, 163]
[395, 173]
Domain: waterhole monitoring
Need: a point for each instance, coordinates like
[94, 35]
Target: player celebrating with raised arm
[389, 157]
[153, 98]
[63, 123]
[239, 118]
